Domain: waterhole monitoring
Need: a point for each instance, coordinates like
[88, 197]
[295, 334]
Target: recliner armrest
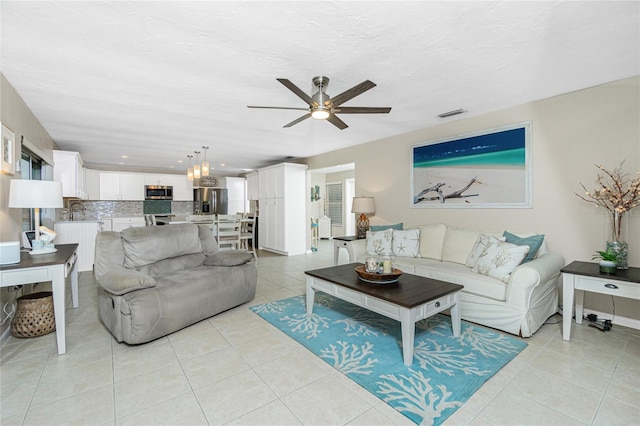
[123, 281]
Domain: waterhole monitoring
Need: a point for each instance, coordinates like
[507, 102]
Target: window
[30, 168]
[333, 203]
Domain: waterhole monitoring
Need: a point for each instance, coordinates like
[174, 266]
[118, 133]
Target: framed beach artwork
[489, 169]
[8, 150]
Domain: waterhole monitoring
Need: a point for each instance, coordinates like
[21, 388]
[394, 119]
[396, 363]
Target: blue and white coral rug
[367, 347]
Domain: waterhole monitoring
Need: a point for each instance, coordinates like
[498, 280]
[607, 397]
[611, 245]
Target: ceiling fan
[323, 107]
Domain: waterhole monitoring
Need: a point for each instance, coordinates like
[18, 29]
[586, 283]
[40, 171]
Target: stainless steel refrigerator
[210, 201]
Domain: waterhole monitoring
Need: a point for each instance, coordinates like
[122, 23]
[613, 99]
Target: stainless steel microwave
[157, 192]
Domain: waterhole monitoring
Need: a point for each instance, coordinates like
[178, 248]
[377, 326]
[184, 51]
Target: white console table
[54, 267]
[578, 277]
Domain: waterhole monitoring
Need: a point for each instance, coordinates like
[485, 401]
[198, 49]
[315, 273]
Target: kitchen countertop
[164, 218]
[207, 219]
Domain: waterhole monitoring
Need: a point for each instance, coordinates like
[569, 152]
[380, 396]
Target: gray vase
[620, 248]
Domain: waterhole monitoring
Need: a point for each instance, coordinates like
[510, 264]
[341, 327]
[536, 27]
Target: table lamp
[35, 194]
[364, 206]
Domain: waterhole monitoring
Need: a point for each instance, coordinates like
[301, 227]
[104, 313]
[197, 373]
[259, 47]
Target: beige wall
[15, 114]
[570, 133]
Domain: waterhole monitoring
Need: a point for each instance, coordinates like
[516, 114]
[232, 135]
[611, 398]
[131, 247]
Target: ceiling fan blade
[333, 119]
[297, 120]
[268, 107]
[362, 110]
[351, 93]
[295, 89]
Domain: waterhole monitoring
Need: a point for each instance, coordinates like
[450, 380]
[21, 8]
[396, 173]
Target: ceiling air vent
[451, 113]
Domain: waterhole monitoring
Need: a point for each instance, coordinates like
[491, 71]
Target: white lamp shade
[363, 205]
[32, 194]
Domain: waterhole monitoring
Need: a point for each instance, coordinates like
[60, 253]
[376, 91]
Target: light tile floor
[236, 369]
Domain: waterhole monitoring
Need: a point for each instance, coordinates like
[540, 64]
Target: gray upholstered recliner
[155, 280]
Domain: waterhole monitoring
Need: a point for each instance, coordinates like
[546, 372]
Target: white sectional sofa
[518, 303]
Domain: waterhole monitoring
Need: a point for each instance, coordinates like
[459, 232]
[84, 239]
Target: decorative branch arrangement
[616, 192]
[441, 196]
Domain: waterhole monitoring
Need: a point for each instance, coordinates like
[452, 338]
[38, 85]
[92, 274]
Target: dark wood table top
[592, 269]
[57, 258]
[409, 291]
[348, 238]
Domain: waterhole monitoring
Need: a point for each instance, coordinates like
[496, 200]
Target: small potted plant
[608, 261]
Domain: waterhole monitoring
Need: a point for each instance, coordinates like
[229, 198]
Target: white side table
[341, 242]
[578, 277]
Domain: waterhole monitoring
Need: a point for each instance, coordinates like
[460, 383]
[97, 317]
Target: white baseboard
[618, 320]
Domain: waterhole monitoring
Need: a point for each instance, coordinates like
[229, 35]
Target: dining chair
[228, 231]
[248, 234]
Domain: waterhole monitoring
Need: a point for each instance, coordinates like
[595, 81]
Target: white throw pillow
[379, 242]
[457, 244]
[500, 260]
[480, 248]
[406, 243]
[431, 240]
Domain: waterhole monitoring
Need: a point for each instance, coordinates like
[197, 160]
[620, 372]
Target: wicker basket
[34, 315]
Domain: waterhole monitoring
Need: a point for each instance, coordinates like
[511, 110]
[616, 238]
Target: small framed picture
[8, 151]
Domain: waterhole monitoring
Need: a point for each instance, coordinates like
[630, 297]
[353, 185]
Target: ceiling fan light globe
[320, 114]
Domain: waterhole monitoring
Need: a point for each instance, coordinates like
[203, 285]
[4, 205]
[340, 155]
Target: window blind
[333, 203]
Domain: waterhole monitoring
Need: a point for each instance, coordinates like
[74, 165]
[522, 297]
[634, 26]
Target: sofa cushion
[208, 241]
[431, 240]
[455, 273]
[149, 244]
[379, 242]
[228, 258]
[457, 245]
[167, 266]
[480, 248]
[406, 243]
[375, 228]
[123, 281]
[533, 241]
[500, 259]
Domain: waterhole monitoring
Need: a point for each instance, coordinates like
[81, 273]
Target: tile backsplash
[156, 207]
[88, 210]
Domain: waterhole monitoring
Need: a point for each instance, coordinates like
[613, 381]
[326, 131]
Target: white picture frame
[485, 169]
[8, 151]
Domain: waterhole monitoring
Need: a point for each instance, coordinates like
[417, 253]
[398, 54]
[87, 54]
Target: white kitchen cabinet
[158, 179]
[253, 186]
[68, 169]
[132, 186]
[92, 184]
[182, 188]
[122, 186]
[120, 223]
[282, 208]
[236, 193]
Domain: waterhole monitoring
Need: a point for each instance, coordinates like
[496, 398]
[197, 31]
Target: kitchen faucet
[71, 209]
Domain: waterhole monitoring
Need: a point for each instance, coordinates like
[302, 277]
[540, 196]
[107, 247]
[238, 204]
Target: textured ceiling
[157, 80]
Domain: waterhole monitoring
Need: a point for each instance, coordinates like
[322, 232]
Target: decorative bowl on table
[378, 277]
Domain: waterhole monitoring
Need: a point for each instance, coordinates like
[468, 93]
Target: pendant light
[196, 166]
[205, 163]
[190, 169]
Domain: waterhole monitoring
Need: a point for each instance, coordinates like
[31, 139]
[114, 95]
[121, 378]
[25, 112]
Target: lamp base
[362, 226]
